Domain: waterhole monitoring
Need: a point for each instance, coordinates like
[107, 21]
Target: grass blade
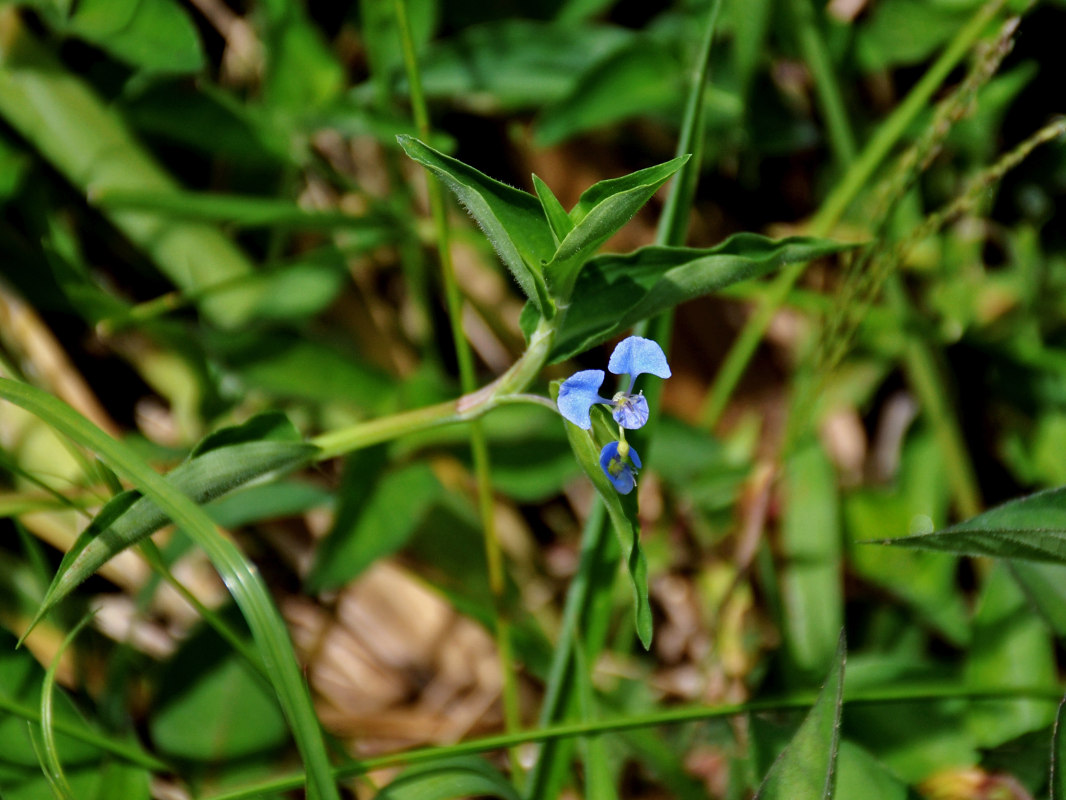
[239, 575]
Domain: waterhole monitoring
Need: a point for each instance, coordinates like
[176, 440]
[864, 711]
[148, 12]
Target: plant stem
[478, 443]
[673, 224]
[878, 148]
[673, 716]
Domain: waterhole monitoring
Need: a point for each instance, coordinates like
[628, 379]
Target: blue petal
[636, 355]
[631, 411]
[622, 478]
[578, 394]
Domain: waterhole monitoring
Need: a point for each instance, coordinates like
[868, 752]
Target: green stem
[928, 384]
[841, 138]
[673, 224]
[878, 148]
[478, 443]
[673, 716]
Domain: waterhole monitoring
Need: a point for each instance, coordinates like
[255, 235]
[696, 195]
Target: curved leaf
[512, 220]
[622, 510]
[615, 291]
[601, 211]
[240, 576]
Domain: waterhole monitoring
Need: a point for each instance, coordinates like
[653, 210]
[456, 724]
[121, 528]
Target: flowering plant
[633, 356]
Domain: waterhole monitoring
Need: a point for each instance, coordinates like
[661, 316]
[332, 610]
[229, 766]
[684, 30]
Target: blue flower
[619, 462]
[581, 391]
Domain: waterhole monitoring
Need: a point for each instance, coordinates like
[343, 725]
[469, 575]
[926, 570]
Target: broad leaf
[601, 211]
[211, 708]
[447, 779]
[512, 220]
[377, 526]
[224, 460]
[1032, 528]
[615, 291]
[515, 63]
[154, 35]
[643, 77]
[622, 509]
[806, 768]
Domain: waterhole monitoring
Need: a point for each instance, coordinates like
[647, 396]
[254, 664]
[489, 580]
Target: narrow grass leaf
[621, 508]
[448, 779]
[1031, 528]
[223, 461]
[47, 751]
[512, 220]
[614, 292]
[240, 576]
[602, 210]
[56, 782]
[806, 769]
[240, 211]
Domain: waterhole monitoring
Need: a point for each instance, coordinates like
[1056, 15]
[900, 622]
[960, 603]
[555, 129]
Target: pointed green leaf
[448, 779]
[241, 578]
[512, 220]
[1031, 528]
[621, 508]
[615, 291]
[807, 767]
[560, 221]
[601, 212]
[221, 462]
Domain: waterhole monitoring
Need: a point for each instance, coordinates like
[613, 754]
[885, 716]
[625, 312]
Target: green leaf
[514, 63]
[615, 291]
[512, 220]
[447, 779]
[1032, 528]
[240, 576]
[153, 35]
[375, 528]
[560, 221]
[51, 763]
[240, 211]
[621, 508]
[859, 774]
[302, 72]
[1011, 647]
[211, 708]
[221, 462]
[920, 497]
[806, 769]
[812, 589]
[643, 77]
[601, 211]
